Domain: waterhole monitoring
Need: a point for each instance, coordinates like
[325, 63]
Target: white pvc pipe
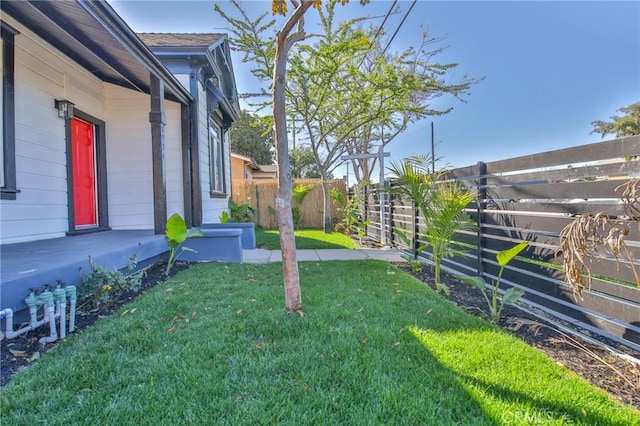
[34, 323]
[63, 317]
[51, 312]
[71, 291]
[9, 333]
[53, 334]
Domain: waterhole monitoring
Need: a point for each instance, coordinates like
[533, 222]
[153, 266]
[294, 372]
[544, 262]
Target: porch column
[185, 124]
[158, 120]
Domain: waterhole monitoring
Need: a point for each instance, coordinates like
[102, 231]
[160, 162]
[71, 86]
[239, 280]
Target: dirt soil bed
[621, 377]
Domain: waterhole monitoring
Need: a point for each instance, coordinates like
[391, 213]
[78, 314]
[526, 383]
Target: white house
[100, 132]
[103, 139]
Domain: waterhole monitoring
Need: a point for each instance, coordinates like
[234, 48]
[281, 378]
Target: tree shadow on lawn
[508, 387]
[303, 243]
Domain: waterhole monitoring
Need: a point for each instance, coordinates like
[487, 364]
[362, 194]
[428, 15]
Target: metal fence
[533, 198]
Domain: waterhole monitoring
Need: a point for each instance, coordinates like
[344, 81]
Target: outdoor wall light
[65, 108]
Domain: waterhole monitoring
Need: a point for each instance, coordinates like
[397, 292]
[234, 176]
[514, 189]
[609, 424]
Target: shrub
[102, 284]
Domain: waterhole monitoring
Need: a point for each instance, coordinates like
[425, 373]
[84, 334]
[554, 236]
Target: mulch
[602, 366]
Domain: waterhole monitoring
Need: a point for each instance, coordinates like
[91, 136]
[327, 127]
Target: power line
[383, 22]
[373, 40]
[399, 25]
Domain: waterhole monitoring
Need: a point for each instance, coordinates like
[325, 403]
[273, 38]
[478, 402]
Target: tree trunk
[326, 193]
[284, 41]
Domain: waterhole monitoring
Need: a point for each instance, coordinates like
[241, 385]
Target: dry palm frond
[631, 198]
[580, 241]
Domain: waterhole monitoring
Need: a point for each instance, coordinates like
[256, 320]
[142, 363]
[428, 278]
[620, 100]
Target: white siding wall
[129, 159]
[40, 211]
[184, 79]
[173, 159]
[129, 167]
[42, 74]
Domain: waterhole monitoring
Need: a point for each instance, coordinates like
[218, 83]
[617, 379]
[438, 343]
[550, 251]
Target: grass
[305, 239]
[213, 345]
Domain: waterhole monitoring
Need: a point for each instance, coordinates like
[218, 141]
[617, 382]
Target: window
[8, 188]
[216, 160]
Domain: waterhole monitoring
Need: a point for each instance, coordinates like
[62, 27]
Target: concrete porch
[34, 264]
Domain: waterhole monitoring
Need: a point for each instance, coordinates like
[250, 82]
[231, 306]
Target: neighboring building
[243, 168]
[266, 172]
[102, 131]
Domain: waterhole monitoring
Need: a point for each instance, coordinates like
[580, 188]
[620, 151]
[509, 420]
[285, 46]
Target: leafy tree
[356, 90]
[252, 136]
[346, 89]
[303, 163]
[422, 81]
[626, 125]
[248, 35]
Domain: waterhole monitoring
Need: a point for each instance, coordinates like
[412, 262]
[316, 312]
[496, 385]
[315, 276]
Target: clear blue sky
[550, 68]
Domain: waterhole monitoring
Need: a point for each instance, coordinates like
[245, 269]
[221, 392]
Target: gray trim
[96, 38]
[9, 189]
[158, 120]
[196, 191]
[121, 31]
[216, 158]
[185, 125]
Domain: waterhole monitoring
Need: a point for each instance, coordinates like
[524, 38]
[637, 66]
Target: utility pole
[433, 152]
[294, 132]
[381, 154]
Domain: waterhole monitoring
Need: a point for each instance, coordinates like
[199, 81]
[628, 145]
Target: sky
[550, 68]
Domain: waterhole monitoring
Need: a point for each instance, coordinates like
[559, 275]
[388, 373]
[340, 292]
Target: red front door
[84, 173]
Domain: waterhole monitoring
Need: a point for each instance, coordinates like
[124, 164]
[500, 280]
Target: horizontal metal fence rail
[532, 198]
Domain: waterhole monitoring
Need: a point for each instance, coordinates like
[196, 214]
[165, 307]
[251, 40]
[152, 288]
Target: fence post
[481, 190]
[416, 229]
[258, 222]
[365, 198]
[391, 220]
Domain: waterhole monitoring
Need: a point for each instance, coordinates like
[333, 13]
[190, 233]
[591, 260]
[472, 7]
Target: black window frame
[217, 171]
[9, 188]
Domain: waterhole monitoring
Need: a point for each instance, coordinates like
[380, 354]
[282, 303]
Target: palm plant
[441, 204]
[444, 218]
[299, 193]
[413, 180]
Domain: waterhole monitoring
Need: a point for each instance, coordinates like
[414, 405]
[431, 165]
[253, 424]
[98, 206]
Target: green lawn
[305, 239]
[214, 345]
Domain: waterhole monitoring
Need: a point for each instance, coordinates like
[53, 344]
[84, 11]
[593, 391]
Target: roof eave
[102, 12]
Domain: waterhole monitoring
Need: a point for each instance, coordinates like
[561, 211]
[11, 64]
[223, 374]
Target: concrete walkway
[267, 256]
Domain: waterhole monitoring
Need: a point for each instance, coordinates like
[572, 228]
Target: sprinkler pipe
[54, 306]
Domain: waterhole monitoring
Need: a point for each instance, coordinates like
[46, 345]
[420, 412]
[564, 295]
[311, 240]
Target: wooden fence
[261, 195]
[533, 198]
